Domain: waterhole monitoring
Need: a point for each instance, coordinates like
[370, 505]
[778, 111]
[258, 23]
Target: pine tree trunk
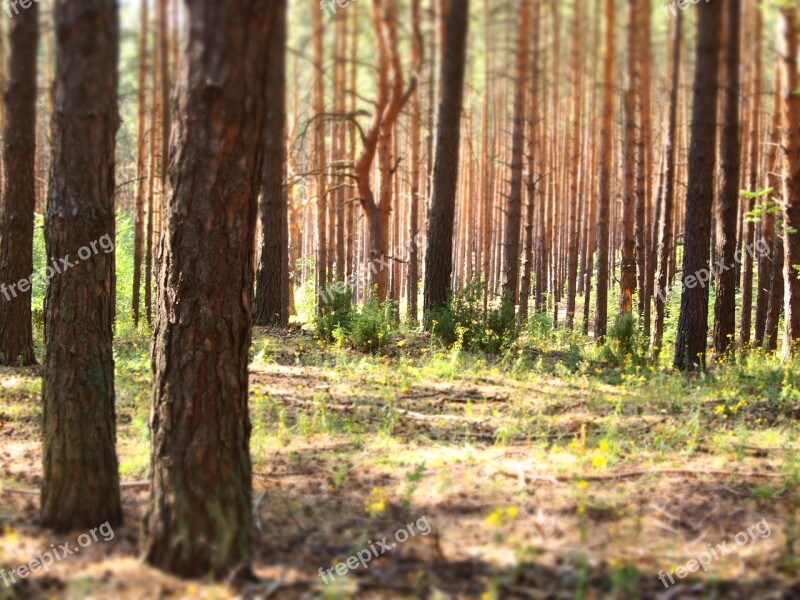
[412, 275]
[141, 165]
[749, 235]
[728, 201]
[791, 178]
[18, 201]
[318, 105]
[513, 212]
[692, 336]
[272, 278]
[80, 485]
[670, 147]
[629, 201]
[604, 199]
[439, 256]
[199, 517]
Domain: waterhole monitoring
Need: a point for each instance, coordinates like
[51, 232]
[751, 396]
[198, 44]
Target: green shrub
[337, 313]
[624, 340]
[366, 328]
[465, 322]
[371, 327]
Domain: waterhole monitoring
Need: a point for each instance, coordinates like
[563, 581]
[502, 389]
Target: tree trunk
[691, 343]
[766, 260]
[318, 104]
[141, 166]
[199, 517]
[513, 213]
[670, 147]
[574, 160]
[80, 486]
[755, 141]
[728, 201]
[272, 280]
[412, 275]
[791, 178]
[604, 200]
[439, 256]
[627, 279]
[18, 202]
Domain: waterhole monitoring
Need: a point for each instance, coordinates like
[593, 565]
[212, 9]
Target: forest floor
[558, 478]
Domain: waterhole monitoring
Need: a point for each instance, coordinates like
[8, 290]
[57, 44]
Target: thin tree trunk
[791, 178]
[749, 236]
[604, 200]
[670, 148]
[141, 166]
[412, 278]
[272, 279]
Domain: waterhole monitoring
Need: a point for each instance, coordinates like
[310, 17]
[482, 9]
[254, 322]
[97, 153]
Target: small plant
[465, 322]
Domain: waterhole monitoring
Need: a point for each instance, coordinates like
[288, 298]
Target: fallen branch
[638, 473]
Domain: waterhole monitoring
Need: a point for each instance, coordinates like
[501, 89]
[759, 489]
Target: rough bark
[439, 256]
[199, 517]
[691, 343]
[80, 486]
[728, 201]
[18, 201]
[513, 211]
[272, 279]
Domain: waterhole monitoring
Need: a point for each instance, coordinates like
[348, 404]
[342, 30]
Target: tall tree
[80, 486]
[790, 22]
[18, 199]
[412, 275]
[199, 517]
[141, 165]
[670, 149]
[728, 201]
[272, 281]
[441, 213]
[318, 105]
[690, 346]
[755, 152]
[604, 199]
[513, 212]
[627, 279]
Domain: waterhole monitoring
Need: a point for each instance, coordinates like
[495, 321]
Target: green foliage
[337, 314]
[367, 328]
[625, 341]
[371, 326]
[465, 322]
